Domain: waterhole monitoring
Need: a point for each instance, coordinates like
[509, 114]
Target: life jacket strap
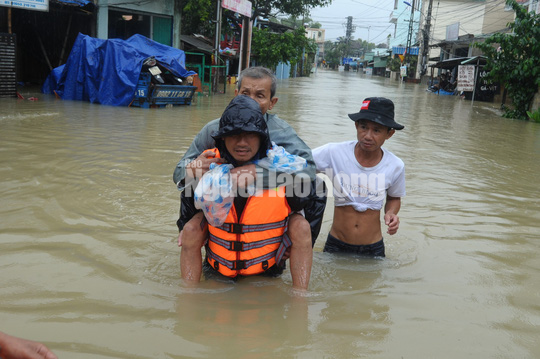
[239, 264]
[285, 242]
[239, 228]
[238, 246]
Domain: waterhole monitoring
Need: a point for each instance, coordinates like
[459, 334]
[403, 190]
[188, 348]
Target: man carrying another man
[259, 84]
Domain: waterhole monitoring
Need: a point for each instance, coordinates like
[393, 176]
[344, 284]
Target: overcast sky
[371, 14]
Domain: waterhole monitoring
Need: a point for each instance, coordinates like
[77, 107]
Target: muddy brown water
[89, 263]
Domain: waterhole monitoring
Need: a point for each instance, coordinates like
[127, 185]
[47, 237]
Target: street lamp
[409, 4]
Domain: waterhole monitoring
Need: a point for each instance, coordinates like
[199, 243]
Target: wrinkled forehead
[256, 84]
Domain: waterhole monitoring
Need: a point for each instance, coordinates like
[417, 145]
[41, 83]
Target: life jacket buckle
[236, 228]
[237, 246]
[239, 264]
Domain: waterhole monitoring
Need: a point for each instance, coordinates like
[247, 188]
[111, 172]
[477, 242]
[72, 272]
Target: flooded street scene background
[89, 260]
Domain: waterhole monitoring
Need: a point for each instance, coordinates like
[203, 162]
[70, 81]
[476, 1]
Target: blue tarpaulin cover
[107, 71]
[81, 3]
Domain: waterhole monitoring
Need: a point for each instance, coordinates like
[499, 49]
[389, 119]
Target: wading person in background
[364, 175]
[259, 83]
[253, 237]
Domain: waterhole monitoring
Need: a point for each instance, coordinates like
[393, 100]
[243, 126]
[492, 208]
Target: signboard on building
[243, 7]
[452, 32]
[40, 5]
[465, 80]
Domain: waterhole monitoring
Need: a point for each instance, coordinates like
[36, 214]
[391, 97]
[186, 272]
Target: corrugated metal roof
[197, 43]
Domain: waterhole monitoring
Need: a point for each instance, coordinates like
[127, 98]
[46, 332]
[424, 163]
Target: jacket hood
[243, 114]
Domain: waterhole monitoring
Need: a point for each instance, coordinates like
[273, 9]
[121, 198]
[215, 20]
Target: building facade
[44, 38]
[401, 17]
[450, 27]
[122, 19]
[318, 36]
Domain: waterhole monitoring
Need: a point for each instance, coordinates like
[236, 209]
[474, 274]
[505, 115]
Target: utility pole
[216, 46]
[425, 42]
[348, 32]
[409, 35]
[368, 28]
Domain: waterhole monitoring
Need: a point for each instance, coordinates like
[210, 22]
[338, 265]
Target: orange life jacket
[254, 242]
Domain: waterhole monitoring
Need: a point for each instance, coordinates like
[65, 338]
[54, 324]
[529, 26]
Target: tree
[513, 60]
[334, 52]
[270, 48]
[198, 15]
[394, 63]
[295, 22]
[294, 8]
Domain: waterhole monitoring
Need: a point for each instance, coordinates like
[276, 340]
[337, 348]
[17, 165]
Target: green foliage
[295, 8]
[357, 47]
[516, 64]
[394, 64]
[269, 49]
[198, 15]
[534, 116]
[295, 22]
[334, 52]
[411, 68]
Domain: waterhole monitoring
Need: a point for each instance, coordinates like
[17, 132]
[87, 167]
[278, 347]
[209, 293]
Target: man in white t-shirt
[364, 176]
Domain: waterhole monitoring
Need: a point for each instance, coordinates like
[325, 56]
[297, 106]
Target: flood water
[89, 263]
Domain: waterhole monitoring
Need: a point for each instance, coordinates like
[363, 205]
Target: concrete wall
[401, 16]
[469, 14]
[497, 17]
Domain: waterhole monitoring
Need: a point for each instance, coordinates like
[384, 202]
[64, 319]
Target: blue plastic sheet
[214, 194]
[81, 3]
[277, 159]
[442, 92]
[107, 71]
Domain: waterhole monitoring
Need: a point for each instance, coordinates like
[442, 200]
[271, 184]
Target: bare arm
[391, 209]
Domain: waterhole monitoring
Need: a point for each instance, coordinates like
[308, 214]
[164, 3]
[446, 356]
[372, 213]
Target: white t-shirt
[354, 185]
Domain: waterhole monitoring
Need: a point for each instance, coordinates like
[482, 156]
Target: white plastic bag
[214, 194]
[279, 160]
